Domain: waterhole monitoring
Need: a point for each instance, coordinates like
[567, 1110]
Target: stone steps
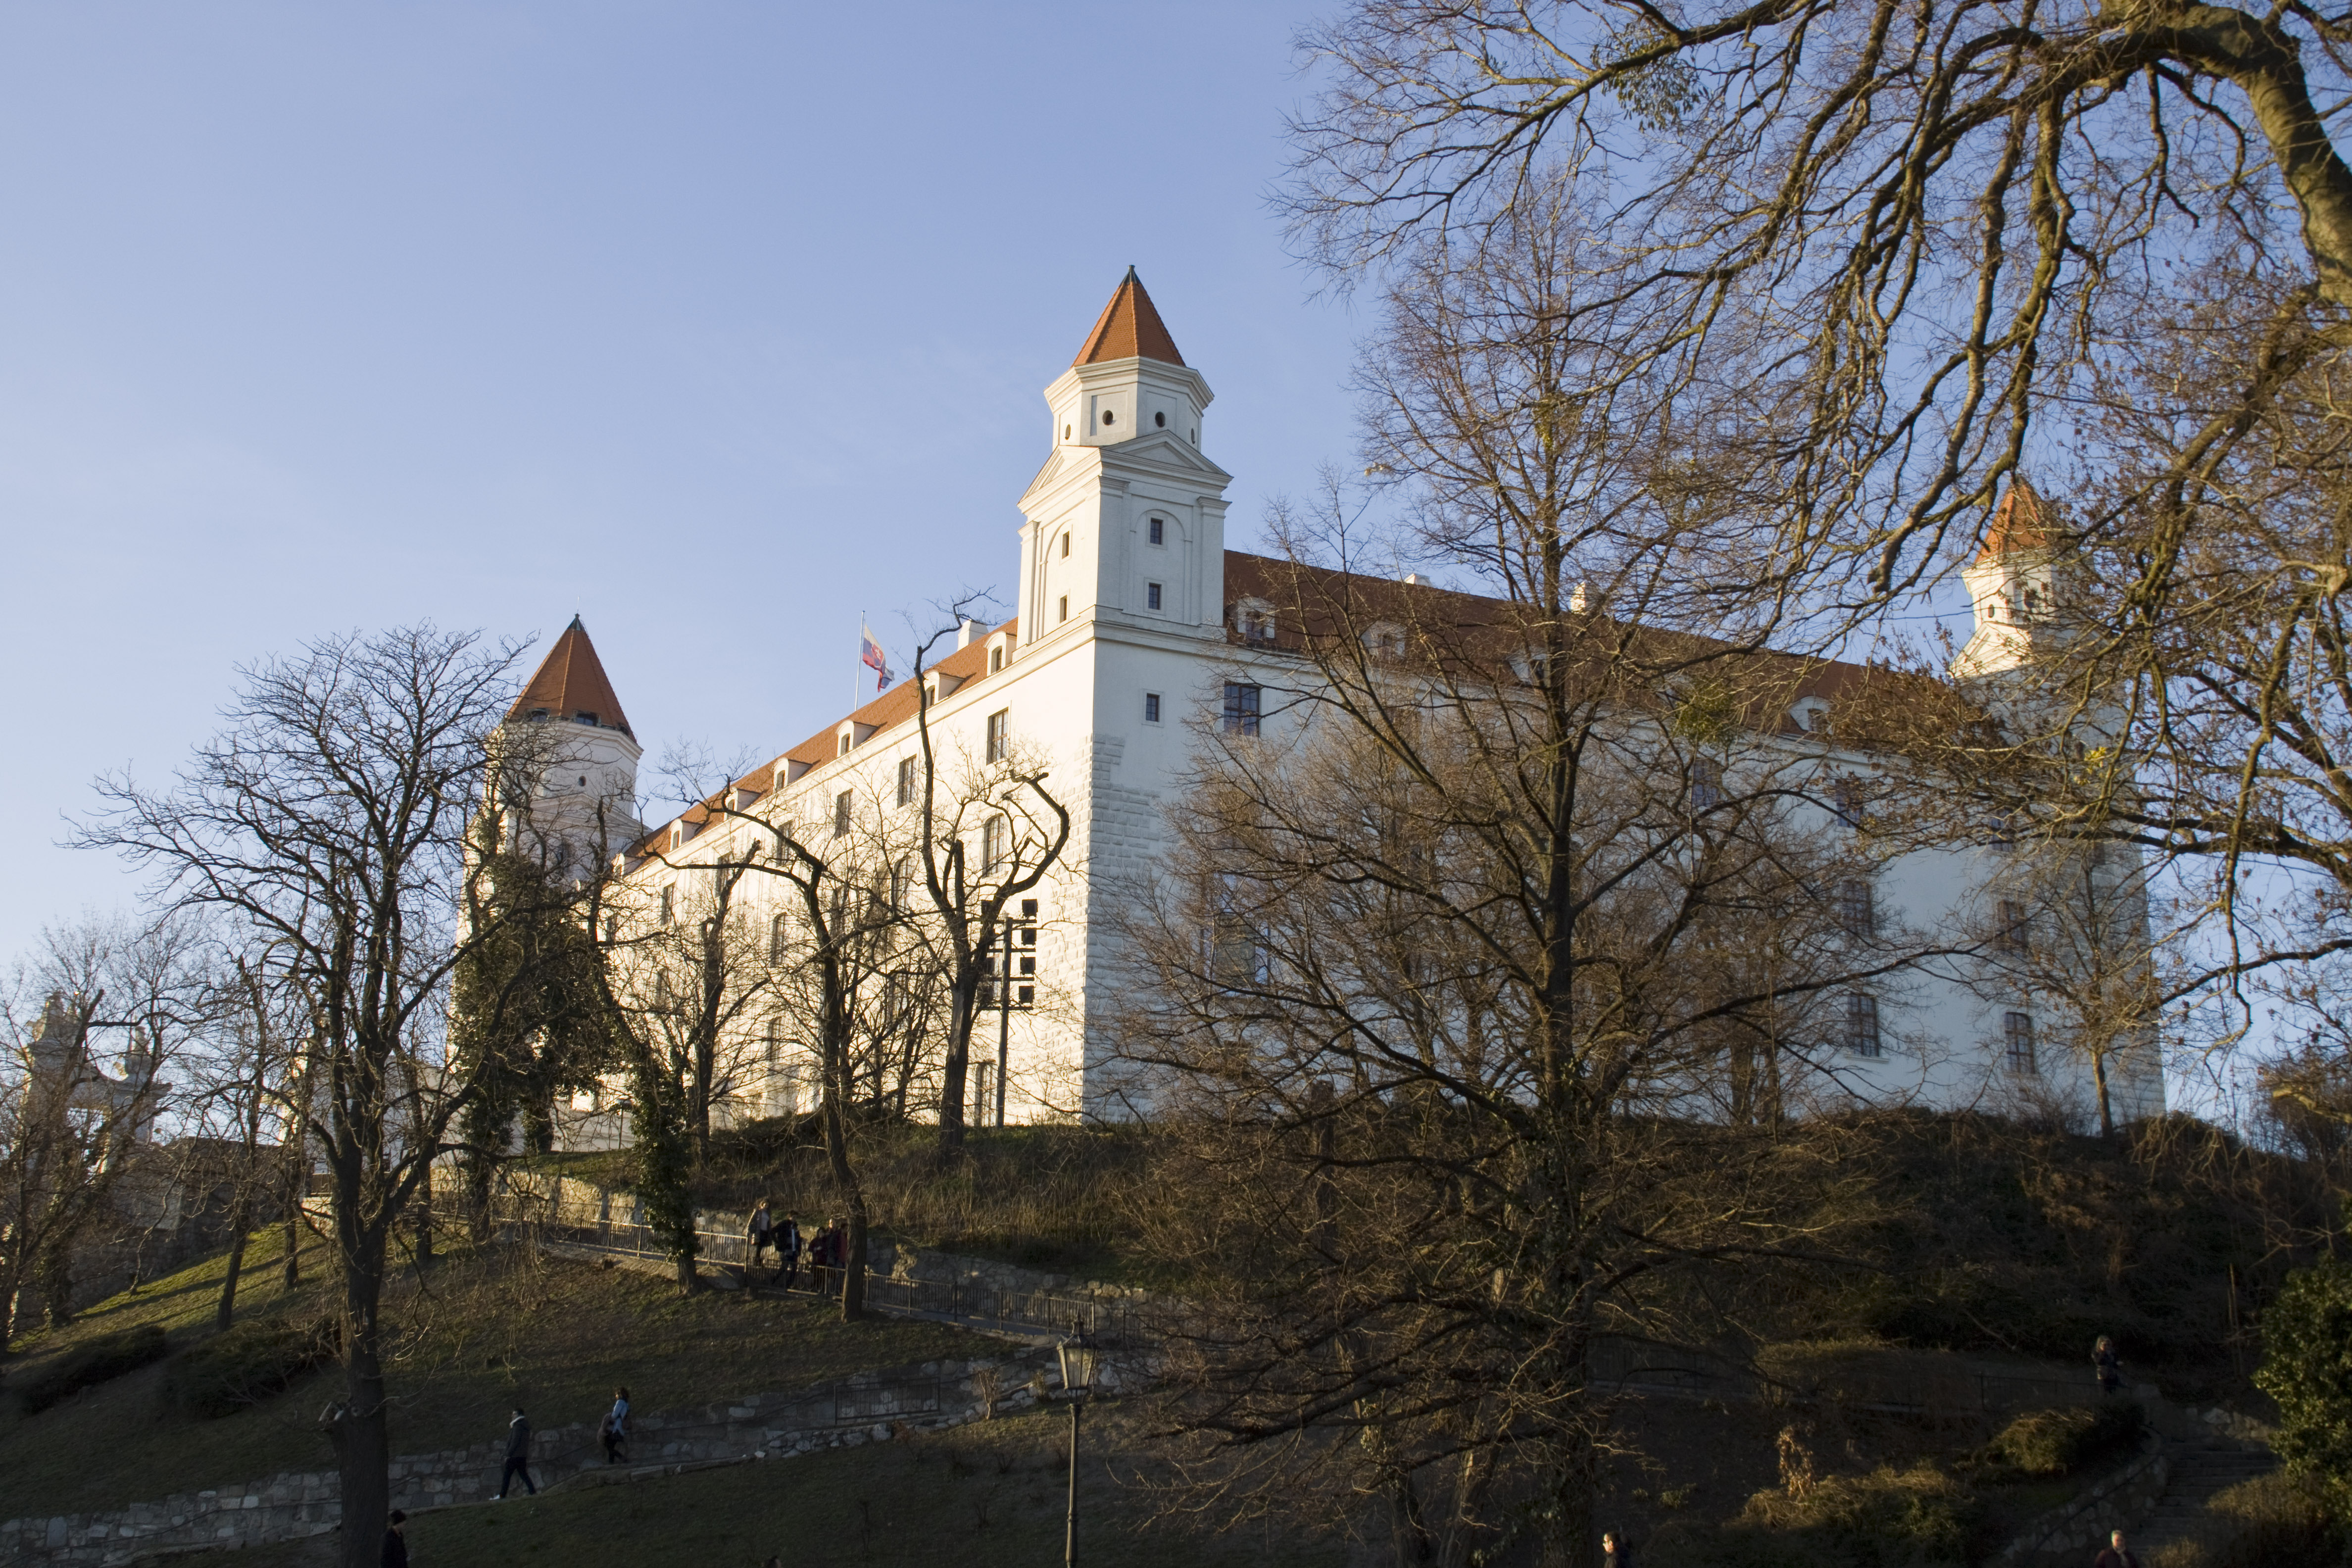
[2198, 1471]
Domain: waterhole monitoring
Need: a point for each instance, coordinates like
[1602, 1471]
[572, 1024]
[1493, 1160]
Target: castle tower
[1127, 520]
[583, 796]
[2014, 586]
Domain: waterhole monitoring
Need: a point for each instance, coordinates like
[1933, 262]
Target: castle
[1133, 620]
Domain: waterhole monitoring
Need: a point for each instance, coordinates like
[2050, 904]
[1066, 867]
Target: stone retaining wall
[2077, 1528]
[869, 1407]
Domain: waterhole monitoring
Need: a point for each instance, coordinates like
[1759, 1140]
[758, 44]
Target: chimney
[967, 633]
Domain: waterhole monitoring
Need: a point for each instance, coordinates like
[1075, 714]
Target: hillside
[477, 1336]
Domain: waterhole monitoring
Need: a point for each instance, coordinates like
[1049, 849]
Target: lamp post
[1079, 1359]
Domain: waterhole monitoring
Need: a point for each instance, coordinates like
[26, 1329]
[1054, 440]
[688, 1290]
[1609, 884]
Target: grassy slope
[986, 1494]
[482, 1335]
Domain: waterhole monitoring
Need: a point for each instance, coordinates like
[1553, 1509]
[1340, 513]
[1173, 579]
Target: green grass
[478, 1336]
[987, 1494]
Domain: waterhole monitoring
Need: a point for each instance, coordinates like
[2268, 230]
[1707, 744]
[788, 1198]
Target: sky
[718, 324]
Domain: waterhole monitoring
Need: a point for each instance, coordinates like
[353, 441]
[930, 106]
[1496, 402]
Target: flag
[870, 655]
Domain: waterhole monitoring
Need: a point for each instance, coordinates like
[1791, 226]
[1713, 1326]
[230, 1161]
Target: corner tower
[580, 754]
[2014, 586]
[1127, 519]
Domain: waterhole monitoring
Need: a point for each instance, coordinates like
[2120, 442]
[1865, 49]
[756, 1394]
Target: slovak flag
[870, 655]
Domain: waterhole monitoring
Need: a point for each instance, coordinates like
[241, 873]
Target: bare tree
[988, 830]
[329, 817]
[1486, 913]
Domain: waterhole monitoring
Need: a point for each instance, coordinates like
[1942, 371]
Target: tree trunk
[356, 1425]
[226, 1311]
[853, 1261]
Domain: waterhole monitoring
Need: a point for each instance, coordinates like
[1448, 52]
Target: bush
[101, 1361]
[2059, 1442]
[2270, 1521]
[253, 1361]
[1918, 1518]
[2307, 1368]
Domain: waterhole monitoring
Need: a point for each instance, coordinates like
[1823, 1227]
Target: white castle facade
[1132, 616]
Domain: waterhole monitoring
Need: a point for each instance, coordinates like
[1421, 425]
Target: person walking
[2116, 1556]
[788, 1252]
[518, 1457]
[615, 1429]
[757, 1235]
[2106, 1366]
[395, 1544]
[821, 1254]
[1614, 1552]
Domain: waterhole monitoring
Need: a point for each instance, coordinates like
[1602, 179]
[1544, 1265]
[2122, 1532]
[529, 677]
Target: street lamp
[1079, 1359]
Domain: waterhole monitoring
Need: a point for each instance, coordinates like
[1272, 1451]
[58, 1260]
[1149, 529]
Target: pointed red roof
[1129, 328]
[570, 685]
[2023, 521]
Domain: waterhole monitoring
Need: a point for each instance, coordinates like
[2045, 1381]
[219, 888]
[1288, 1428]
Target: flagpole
[857, 675]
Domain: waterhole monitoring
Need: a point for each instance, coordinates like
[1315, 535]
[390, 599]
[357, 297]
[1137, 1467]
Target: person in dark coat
[1614, 1552]
[788, 1252]
[396, 1544]
[518, 1457]
[2116, 1556]
[615, 1429]
[758, 1235]
[2106, 1366]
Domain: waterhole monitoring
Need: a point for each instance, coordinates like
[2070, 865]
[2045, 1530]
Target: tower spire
[570, 686]
[1129, 328]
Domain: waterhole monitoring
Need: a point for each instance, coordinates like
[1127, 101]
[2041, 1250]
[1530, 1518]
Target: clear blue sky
[714, 323]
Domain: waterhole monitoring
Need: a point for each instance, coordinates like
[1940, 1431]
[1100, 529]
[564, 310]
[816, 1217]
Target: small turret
[570, 725]
[2014, 587]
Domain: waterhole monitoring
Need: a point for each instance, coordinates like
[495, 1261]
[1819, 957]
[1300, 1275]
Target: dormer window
[1253, 618]
[1385, 640]
[538, 713]
[587, 719]
[1812, 714]
[995, 659]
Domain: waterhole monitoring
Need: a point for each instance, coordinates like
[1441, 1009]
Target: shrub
[1918, 1518]
[2059, 1442]
[2307, 1368]
[101, 1361]
[2270, 1521]
[251, 1361]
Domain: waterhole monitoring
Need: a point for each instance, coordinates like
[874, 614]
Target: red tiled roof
[2020, 523]
[571, 681]
[893, 708]
[1129, 328]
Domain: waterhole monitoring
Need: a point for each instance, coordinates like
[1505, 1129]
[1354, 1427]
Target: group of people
[824, 1251]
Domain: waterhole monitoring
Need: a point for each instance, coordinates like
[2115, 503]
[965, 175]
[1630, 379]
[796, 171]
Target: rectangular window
[1151, 708]
[776, 937]
[1066, 607]
[840, 813]
[2016, 1040]
[1065, 547]
[1705, 783]
[2011, 928]
[1861, 1023]
[1158, 536]
[1845, 799]
[1152, 595]
[1855, 907]
[906, 781]
[1000, 725]
[992, 842]
[668, 903]
[995, 659]
[1241, 709]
